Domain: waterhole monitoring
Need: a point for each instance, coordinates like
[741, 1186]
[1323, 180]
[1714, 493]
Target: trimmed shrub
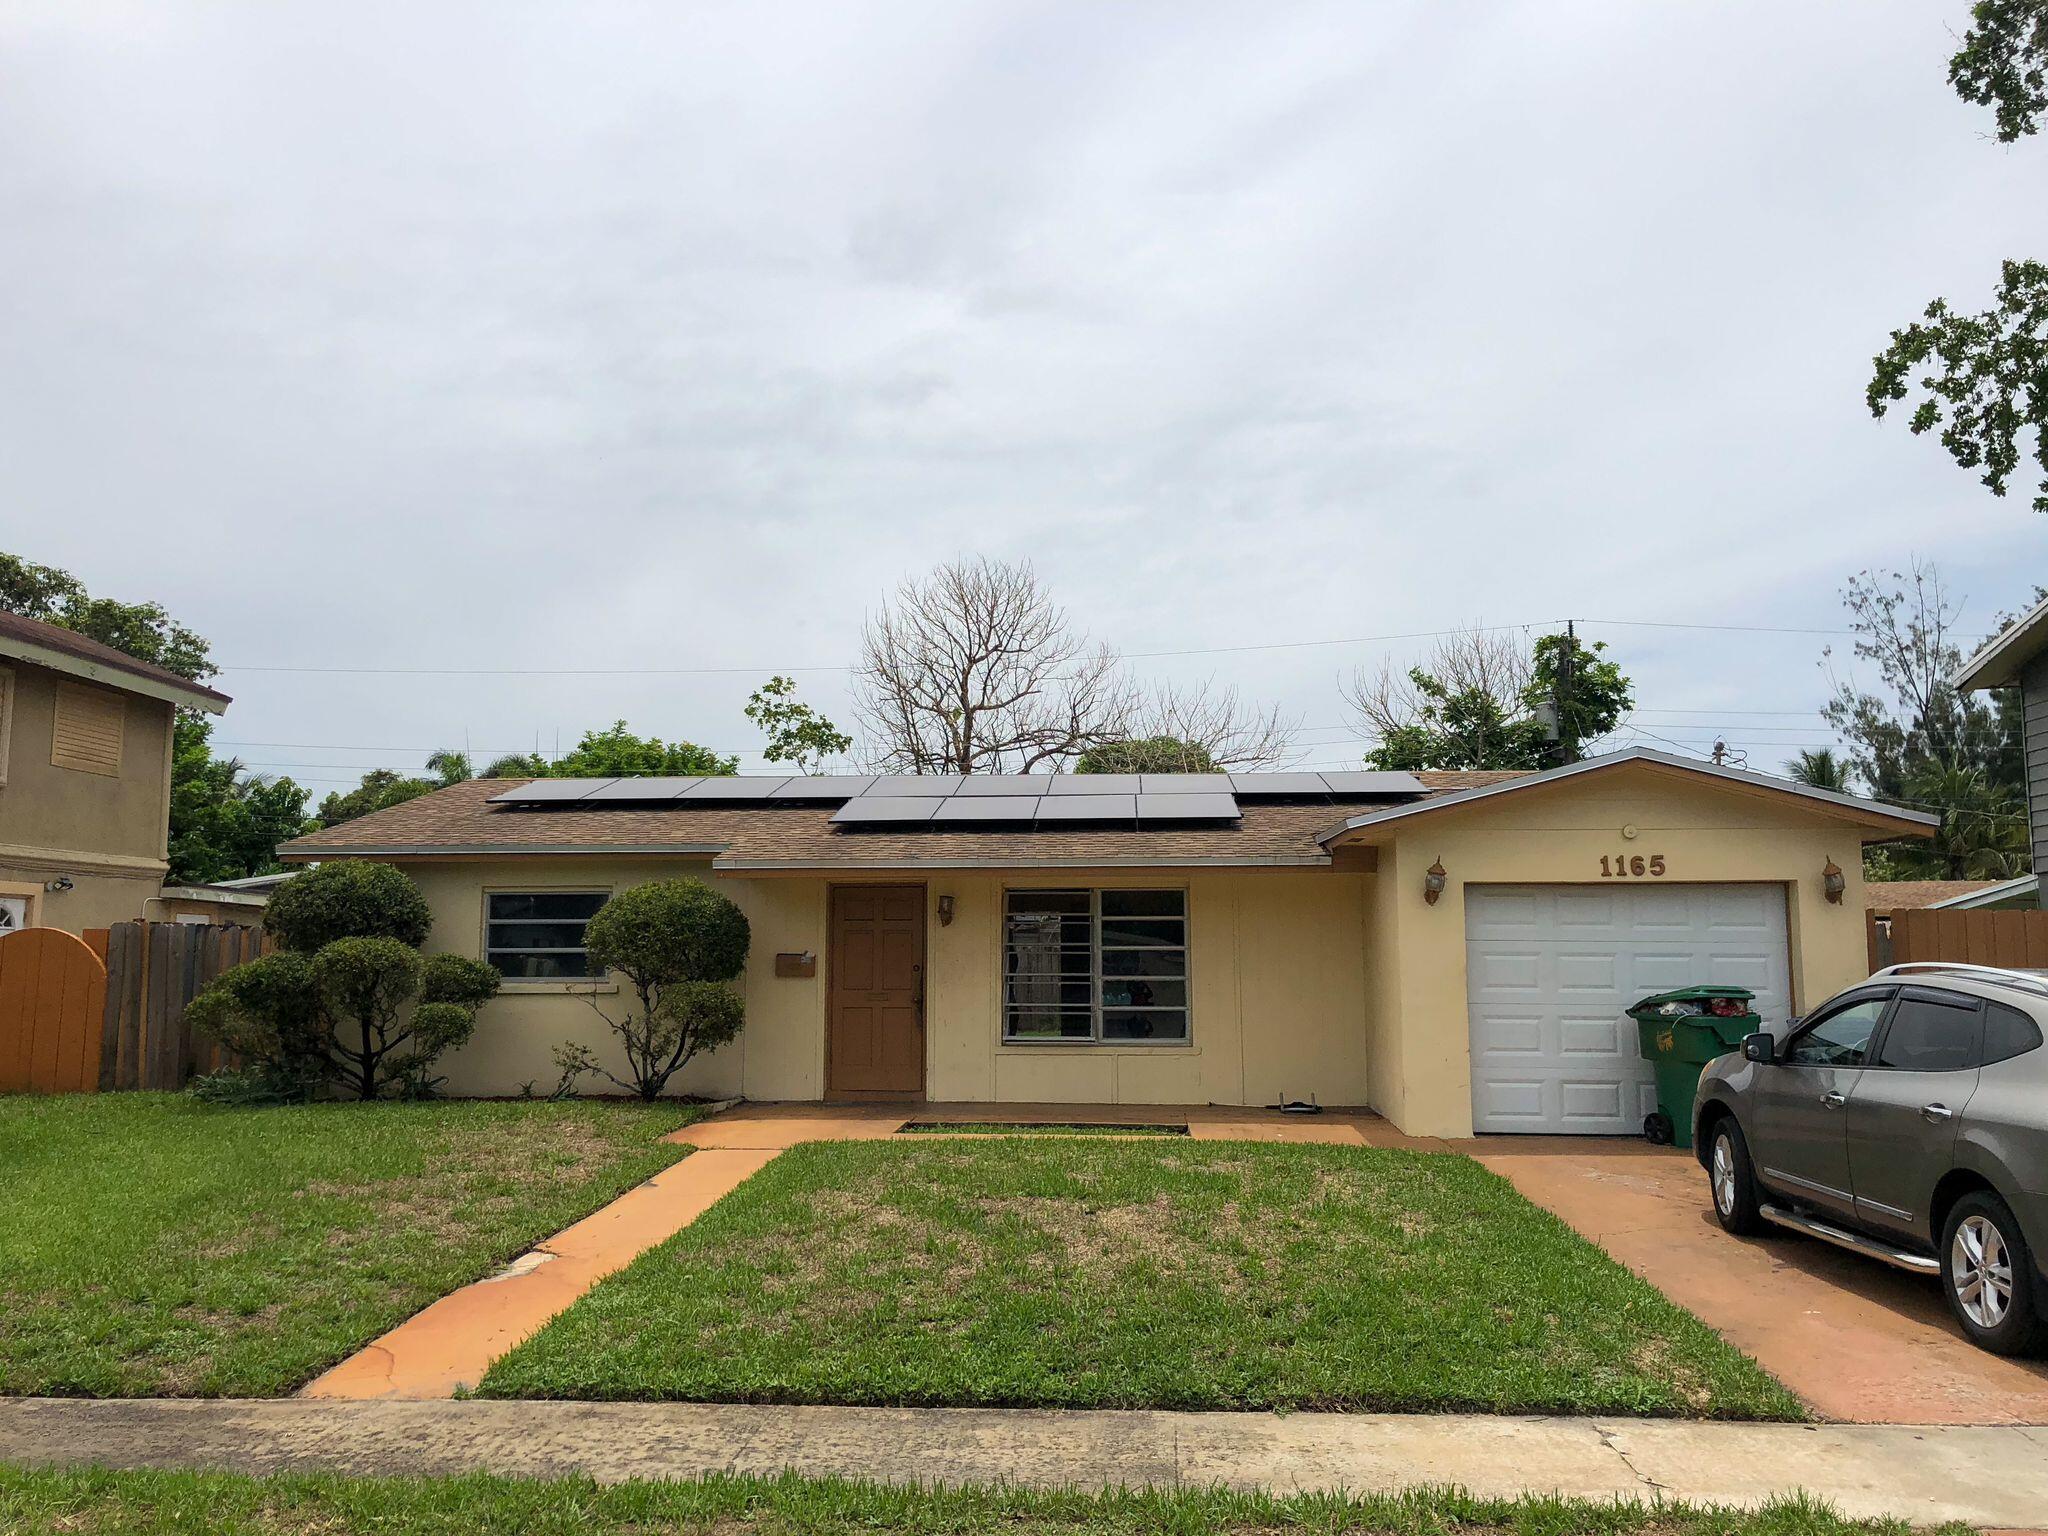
[457, 979]
[668, 931]
[676, 943]
[347, 899]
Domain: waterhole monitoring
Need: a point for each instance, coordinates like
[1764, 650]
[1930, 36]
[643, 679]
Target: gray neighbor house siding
[2034, 696]
[2017, 656]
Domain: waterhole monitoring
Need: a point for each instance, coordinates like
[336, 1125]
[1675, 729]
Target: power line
[1207, 650]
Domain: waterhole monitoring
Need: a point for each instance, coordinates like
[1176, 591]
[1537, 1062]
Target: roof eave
[187, 695]
[1883, 819]
[306, 854]
[2003, 890]
[1997, 662]
[913, 866]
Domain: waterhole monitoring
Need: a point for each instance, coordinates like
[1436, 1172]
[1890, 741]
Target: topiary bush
[336, 1007]
[347, 899]
[676, 943]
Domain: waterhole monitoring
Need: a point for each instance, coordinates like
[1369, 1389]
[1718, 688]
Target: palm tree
[1819, 769]
[450, 766]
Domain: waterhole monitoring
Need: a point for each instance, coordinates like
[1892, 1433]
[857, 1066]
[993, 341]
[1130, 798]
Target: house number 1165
[1630, 864]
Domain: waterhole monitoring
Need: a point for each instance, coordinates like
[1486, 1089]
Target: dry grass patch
[1041, 1272]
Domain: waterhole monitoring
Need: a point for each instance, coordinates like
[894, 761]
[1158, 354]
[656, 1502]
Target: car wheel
[1732, 1179]
[1987, 1273]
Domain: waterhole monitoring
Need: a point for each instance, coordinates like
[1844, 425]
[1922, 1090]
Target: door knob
[1937, 1112]
[1833, 1099]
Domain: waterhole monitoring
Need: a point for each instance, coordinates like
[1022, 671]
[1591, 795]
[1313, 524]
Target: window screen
[1090, 966]
[538, 935]
[1926, 1035]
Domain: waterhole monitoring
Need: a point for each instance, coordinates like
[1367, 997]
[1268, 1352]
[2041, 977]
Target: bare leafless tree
[1496, 663]
[1216, 726]
[974, 669]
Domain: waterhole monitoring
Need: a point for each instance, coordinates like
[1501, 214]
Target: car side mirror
[1759, 1047]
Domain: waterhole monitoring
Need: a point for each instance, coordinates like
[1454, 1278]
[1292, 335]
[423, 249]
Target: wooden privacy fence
[2018, 940]
[108, 1011]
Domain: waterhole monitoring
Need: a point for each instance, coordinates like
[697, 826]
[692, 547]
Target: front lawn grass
[1034, 1272]
[46, 1503]
[152, 1245]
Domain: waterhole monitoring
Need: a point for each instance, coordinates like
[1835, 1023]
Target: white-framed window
[538, 935]
[1095, 967]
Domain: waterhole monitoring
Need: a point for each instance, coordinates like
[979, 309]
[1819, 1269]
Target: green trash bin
[1680, 1032]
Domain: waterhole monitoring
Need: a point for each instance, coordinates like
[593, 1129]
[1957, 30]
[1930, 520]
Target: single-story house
[1884, 897]
[1451, 949]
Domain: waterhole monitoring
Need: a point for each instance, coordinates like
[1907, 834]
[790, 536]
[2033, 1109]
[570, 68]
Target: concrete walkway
[1983, 1476]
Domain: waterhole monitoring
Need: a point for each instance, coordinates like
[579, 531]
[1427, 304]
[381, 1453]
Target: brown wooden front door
[874, 1045]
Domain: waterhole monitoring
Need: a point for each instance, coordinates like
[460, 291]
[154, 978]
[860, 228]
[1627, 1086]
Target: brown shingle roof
[460, 819]
[52, 637]
[1897, 895]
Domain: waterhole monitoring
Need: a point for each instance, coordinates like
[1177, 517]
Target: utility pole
[1568, 746]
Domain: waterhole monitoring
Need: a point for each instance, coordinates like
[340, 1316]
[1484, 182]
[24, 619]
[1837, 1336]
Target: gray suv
[1906, 1119]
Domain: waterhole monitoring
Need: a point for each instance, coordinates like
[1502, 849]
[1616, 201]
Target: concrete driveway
[1856, 1340]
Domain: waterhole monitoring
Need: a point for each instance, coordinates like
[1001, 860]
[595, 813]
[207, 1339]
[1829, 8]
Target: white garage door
[1549, 969]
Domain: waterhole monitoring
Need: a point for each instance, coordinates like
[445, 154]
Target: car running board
[1884, 1253]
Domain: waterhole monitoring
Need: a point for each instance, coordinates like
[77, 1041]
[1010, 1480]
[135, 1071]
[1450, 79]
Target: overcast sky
[604, 336]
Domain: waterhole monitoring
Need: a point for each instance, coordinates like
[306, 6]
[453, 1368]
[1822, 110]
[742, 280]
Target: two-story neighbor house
[2017, 657]
[85, 776]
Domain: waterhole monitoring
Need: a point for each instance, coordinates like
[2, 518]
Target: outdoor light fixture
[1833, 883]
[61, 884]
[945, 911]
[1433, 881]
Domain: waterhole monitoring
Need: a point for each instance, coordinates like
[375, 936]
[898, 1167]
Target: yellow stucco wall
[105, 833]
[1556, 835]
[1277, 990]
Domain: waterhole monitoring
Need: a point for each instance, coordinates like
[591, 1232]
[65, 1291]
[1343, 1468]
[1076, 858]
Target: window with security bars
[538, 935]
[1095, 967]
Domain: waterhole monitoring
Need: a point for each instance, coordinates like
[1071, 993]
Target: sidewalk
[1981, 1475]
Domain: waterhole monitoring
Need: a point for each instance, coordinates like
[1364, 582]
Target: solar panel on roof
[1028, 785]
[824, 786]
[1087, 807]
[736, 787]
[649, 788]
[916, 786]
[550, 791]
[1188, 808]
[1094, 784]
[1184, 784]
[1367, 782]
[985, 808]
[1277, 784]
[887, 810]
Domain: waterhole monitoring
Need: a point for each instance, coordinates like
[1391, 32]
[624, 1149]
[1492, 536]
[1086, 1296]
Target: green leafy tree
[145, 631]
[380, 789]
[1982, 378]
[1150, 754]
[1481, 702]
[450, 767]
[679, 944]
[797, 734]
[618, 753]
[516, 765]
[2003, 64]
[1820, 768]
[225, 822]
[1983, 832]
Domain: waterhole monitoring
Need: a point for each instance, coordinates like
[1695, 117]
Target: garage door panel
[1550, 969]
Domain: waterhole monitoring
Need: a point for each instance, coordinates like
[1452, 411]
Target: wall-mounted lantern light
[1433, 880]
[945, 911]
[1833, 883]
[59, 885]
